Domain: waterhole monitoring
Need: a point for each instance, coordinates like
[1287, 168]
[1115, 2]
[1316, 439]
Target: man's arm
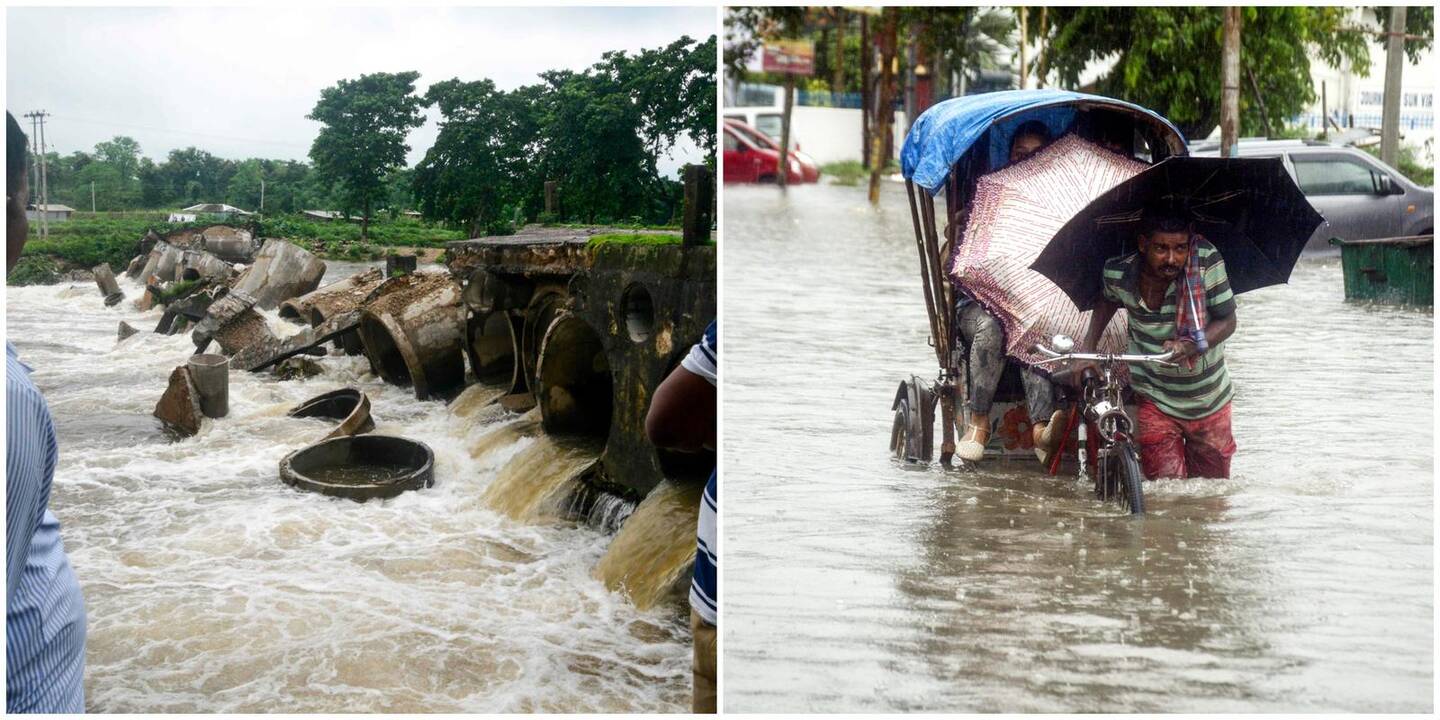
[1100, 316]
[682, 413]
[25, 482]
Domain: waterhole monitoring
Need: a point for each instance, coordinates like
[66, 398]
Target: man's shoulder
[21, 395]
[1207, 251]
[1116, 267]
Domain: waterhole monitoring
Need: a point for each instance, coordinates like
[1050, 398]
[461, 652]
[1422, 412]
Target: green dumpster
[1399, 270]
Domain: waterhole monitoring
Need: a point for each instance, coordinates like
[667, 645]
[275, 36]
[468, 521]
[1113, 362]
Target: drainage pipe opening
[493, 350]
[575, 384]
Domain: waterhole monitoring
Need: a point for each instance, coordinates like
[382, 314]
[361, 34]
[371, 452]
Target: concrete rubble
[105, 280]
[125, 330]
[348, 405]
[232, 322]
[179, 407]
[281, 271]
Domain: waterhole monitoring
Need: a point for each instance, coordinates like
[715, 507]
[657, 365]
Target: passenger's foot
[1048, 435]
[977, 434]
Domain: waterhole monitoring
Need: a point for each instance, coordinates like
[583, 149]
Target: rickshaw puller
[1178, 297]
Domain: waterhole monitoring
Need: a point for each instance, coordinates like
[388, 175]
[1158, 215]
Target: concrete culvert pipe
[539, 316]
[494, 350]
[211, 376]
[414, 333]
[575, 387]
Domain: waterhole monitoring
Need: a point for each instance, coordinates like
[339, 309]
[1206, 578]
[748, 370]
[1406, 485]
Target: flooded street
[1303, 584]
[211, 586]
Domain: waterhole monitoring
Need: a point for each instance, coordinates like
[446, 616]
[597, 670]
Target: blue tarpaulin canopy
[945, 132]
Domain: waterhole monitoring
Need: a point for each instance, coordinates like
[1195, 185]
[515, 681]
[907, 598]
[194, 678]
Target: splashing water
[211, 586]
[538, 480]
[651, 556]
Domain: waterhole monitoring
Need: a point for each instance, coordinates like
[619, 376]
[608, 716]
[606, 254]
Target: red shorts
[1175, 448]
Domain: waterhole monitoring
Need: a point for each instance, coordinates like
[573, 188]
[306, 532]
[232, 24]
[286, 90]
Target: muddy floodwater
[211, 586]
[1304, 583]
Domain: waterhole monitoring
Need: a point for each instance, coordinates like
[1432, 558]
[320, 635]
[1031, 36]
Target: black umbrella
[1248, 208]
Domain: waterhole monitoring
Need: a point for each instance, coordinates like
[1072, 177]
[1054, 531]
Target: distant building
[1353, 100]
[52, 213]
[216, 209]
[328, 215]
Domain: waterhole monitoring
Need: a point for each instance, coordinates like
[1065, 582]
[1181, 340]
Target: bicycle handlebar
[1160, 359]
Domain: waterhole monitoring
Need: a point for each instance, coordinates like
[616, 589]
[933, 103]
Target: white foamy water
[211, 586]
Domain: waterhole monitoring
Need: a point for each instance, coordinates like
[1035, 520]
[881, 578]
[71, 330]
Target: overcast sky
[238, 82]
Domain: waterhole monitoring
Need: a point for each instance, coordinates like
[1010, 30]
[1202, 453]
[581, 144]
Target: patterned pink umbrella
[1016, 211]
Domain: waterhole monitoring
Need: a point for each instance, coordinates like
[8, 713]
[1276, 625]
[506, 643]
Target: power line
[108, 123]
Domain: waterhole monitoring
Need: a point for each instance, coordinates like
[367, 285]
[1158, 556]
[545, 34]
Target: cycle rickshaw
[948, 148]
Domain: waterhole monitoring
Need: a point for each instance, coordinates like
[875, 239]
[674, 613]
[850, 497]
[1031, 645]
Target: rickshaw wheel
[911, 432]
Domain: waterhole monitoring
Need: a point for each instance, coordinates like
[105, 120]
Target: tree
[1168, 58]
[243, 190]
[962, 41]
[476, 167]
[1419, 23]
[365, 122]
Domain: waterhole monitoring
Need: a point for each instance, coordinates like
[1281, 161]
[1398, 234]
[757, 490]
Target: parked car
[810, 170]
[750, 159]
[1359, 196]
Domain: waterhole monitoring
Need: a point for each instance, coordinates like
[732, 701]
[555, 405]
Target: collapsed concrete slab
[207, 264]
[413, 329]
[179, 407]
[229, 244]
[265, 354]
[337, 297]
[232, 322]
[281, 271]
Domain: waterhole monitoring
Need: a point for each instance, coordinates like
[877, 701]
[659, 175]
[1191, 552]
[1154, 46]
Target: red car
[751, 156]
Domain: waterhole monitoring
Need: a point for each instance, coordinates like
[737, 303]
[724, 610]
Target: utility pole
[262, 195]
[1230, 85]
[1024, 70]
[782, 173]
[37, 119]
[1394, 63]
[92, 197]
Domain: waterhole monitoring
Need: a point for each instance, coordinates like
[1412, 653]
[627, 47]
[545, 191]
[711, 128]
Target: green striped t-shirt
[1180, 392]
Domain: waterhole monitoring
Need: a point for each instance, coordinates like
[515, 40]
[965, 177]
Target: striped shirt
[704, 593]
[44, 611]
[1180, 392]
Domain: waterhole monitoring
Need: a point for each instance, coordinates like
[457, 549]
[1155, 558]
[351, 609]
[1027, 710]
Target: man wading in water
[1178, 298]
[44, 611]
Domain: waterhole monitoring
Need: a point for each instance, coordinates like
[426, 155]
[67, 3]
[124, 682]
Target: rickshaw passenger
[985, 351]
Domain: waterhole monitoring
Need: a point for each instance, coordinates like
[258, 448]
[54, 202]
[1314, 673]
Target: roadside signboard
[790, 57]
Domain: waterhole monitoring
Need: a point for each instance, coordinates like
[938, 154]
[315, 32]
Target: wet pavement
[851, 583]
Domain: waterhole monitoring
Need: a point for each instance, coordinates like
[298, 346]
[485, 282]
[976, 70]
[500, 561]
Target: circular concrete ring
[539, 316]
[398, 464]
[494, 349]
[575, 384]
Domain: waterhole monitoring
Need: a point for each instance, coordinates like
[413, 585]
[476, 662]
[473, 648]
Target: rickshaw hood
[945, 132]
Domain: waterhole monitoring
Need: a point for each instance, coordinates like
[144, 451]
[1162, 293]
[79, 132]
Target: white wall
[1362, 95]
[833, 134]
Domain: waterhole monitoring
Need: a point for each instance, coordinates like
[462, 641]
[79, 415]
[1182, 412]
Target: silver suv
[1359, 196]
